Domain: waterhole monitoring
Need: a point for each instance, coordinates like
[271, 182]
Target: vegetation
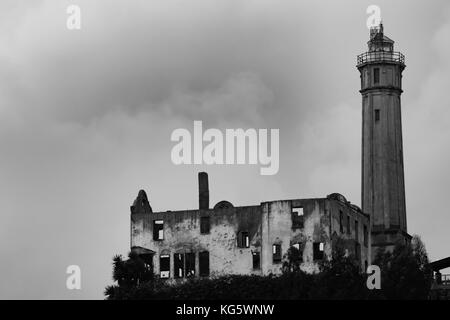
[405, 272]
[404, 275]
[130, 275]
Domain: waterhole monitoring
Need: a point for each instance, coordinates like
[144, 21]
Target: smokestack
[203, 190]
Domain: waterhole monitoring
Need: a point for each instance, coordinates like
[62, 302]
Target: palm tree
[129, 275]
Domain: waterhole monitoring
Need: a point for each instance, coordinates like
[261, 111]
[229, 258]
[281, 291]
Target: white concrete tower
[383, 186]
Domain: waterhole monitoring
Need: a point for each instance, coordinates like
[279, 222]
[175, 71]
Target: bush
[404, 272]
[404, 275]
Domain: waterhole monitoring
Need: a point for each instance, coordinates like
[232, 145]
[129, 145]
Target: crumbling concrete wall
[266, 225]
[182, 234]
[277, 228]
[352, 239]
[320, 225]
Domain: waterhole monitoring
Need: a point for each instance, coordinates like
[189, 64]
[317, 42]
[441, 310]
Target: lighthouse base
[387, 239]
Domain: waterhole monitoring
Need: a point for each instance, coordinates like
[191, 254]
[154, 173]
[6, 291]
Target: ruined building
[245, 240]
[225, 239]
[383, 183]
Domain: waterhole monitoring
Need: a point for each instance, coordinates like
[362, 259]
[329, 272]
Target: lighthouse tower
[383, 185]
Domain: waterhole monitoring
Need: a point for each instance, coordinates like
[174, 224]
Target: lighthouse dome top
[378, 41]
[380, 49]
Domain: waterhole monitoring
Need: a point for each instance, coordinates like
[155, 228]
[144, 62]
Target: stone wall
[267, 224]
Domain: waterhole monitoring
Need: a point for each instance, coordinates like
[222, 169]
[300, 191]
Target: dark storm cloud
[135, 57]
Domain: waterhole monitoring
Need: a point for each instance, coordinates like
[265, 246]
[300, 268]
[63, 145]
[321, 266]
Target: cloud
[114, 63]
[73, 181]
[86, 118]
[427, 137]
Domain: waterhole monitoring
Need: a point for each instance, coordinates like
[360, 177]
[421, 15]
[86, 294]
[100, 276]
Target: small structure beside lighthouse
[383, 183]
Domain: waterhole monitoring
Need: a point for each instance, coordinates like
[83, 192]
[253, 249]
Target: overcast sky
[86, 118]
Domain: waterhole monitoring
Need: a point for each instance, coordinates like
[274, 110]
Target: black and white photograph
[208, 151]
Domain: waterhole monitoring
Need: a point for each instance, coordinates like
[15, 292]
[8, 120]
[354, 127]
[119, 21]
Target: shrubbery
[404, 272]
[404, 276]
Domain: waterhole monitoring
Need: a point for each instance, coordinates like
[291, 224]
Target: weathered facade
[383, 183]
[246, 240]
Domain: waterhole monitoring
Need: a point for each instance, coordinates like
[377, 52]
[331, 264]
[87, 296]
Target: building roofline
[330, 197]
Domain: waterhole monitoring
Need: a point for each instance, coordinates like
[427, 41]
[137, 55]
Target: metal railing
[380, 56]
